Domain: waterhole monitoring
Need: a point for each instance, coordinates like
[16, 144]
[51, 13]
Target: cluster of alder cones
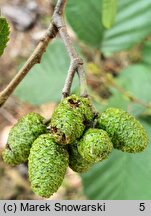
[74, 137]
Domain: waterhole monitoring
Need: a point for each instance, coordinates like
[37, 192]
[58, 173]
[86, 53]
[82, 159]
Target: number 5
[142, 206]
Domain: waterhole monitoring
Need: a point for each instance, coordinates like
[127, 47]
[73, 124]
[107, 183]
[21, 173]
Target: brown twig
[76, 63]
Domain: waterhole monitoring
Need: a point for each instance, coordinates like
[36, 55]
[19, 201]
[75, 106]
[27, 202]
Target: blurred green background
[114, 39]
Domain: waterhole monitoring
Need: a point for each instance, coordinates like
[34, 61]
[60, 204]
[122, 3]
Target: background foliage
[132, 24]
[48, 77]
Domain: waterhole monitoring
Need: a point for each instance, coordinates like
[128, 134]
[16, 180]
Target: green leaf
[136, 80]
[132, 24]
[4, 34]
[124, 175]
[109, 12]
[84, 18]
[45, 81]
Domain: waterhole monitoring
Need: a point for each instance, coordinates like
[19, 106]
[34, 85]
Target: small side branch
[71, 72]
[76, 63]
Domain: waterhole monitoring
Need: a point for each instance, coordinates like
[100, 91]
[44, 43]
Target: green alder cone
[66, 126]
[47, 165]
[126, 133]
[80, 105]
[70, 119]
[76, 162]
[95, 145]
[21, 137]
